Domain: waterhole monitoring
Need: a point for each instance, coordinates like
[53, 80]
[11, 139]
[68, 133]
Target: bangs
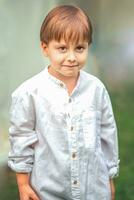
[73, 32]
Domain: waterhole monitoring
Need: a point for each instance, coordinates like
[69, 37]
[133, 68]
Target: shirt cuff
[20, 167]
[114, 170]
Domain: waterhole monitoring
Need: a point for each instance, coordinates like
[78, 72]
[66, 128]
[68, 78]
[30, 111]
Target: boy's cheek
[83, 58]
[56, 57]
[82, 62]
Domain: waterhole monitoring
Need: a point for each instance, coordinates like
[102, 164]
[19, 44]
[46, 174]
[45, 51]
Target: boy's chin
[71, 74]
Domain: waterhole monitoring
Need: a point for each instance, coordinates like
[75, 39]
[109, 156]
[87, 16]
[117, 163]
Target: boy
[63, 133]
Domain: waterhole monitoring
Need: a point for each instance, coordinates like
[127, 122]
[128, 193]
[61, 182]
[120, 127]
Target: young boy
[63, 133]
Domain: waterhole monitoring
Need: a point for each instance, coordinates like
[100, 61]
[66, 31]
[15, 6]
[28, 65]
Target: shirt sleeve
[22, 133]
[109, 140]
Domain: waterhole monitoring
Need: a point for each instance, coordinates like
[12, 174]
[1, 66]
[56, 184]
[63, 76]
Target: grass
[8, 185]
[124, 110]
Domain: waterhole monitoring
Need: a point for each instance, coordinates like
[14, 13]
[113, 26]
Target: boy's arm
[112, 187]
[109, 140]
[22, 133]
[22, 179]
[22, 137]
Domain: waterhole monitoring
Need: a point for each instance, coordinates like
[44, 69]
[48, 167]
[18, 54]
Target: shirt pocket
[91, 127]
[56, 116]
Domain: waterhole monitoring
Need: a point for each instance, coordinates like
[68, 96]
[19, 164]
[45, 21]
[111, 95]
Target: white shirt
[67, 143]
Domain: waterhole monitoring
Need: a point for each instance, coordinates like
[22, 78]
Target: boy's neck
[70, 81]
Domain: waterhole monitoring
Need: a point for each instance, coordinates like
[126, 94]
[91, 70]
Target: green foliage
[123, 106]
[8, 185]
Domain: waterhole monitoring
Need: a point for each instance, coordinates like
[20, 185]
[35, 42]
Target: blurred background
[111, 58]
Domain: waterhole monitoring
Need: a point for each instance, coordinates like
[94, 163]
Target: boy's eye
[62, 49]
[80, 49]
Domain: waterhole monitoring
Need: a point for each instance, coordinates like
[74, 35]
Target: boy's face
[66, 59]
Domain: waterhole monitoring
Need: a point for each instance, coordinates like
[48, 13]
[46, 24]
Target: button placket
[74, 160]
[73, 147]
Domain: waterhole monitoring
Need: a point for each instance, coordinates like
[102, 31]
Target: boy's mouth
[70, 65]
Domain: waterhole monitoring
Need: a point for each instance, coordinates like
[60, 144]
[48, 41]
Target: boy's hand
[27, 193]
[112, 189]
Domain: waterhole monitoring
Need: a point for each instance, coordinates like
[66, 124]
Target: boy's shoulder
[92, 80]
[30, 85]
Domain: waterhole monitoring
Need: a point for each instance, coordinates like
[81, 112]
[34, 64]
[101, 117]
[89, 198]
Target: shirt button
[61, 84]
[72, 128]
[75, 182]
[70, 100]
[73, 155]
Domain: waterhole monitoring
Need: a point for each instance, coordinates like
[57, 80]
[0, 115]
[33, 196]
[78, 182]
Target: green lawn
[123, 105]
[8, 189]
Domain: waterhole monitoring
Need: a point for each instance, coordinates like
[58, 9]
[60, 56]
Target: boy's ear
[44, 48]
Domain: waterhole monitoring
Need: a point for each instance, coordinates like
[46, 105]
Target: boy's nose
[71, 56]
